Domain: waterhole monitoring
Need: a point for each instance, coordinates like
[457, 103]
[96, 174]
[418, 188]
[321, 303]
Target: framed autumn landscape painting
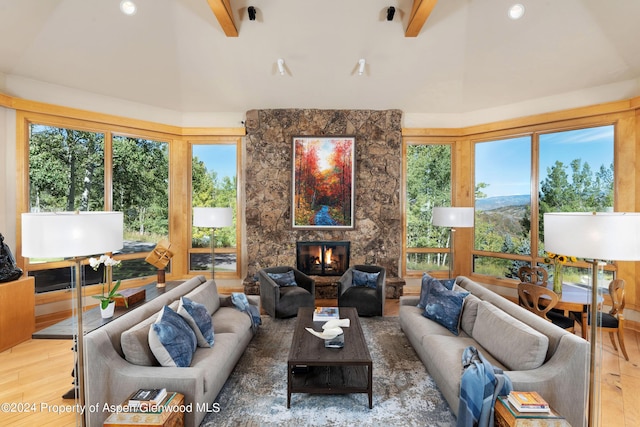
[323, 182]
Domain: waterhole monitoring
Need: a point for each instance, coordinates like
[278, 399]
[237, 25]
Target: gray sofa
[535, 354]
[119, 361]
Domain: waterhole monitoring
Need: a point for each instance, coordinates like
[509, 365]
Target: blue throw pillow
[427, 281]
[171, 339]
[284, 279]
[199, 320]
[444, 306]
[362, 278]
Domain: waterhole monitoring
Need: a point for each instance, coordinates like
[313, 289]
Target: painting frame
[323, 173]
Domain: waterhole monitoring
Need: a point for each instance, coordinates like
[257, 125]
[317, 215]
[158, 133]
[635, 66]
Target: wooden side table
[172, 416]
[508, 416]
[17, 311]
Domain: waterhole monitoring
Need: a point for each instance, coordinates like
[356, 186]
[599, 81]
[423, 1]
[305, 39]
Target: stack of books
[147, 397]
[528, 401]
[322, 314]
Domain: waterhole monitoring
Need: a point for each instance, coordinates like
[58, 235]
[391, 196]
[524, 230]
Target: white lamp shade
[598, 236]
[453, 217]
[71, 234]
[212, 217]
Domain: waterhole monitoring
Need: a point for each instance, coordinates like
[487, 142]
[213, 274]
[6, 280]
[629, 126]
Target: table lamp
[159, 257]
[72, 235]
[452, 217]
[595, 236]
[214, 218]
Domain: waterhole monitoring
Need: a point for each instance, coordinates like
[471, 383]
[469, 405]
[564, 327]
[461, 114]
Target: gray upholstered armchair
[281, 300]
[368, 300]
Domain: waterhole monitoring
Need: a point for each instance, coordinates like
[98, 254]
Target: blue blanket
[480, 386]
[240, 301]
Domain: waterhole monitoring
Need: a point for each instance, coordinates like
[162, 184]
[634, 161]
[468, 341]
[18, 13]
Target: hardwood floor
[38, 373]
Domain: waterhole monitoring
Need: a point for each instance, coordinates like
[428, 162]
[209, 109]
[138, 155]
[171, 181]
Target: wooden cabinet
[17, 311]
[507, 416]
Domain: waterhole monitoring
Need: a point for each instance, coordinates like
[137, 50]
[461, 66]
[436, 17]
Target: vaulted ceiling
[434, 57]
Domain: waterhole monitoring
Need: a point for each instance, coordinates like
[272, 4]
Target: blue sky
[506, 164]
[217, 157]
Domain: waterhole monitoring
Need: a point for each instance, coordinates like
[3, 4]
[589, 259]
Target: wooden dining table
[577, 299]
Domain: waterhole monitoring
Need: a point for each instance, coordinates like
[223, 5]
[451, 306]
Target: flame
[327, 256]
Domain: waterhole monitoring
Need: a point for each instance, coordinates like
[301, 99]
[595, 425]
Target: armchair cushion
[284, 279]
[362, 278]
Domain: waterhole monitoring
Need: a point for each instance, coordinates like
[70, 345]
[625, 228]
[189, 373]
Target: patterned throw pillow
[284, 279]
[362, 278]
[199, 319]
[444, 306]
[171, 339]
[427, 281]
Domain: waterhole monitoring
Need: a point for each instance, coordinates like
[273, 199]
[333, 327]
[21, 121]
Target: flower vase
[107, 313]
[557, 278]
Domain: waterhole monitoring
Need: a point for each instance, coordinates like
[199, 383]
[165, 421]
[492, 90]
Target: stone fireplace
[377, 234]
[322, 258]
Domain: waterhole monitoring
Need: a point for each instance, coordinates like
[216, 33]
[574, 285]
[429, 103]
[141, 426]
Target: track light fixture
[391, 11]
[361, 64]
[252, 13]
[281, 66]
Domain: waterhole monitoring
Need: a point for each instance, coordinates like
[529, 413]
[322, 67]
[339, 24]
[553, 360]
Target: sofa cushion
[517, 346]
[365, 279]
[206, 294]
[469, 312]
[135, 344]
[425, 285]
[198, 319]
[444, 306]
[284, 279]
[171, 339]
[231, 320]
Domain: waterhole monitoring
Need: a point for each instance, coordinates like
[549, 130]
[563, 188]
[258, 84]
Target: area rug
[404, 394]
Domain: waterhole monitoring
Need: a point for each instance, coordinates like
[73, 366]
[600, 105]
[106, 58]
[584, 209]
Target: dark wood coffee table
[312, 368]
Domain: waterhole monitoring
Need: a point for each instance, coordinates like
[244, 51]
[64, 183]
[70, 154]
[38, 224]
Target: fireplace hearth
[323, 258]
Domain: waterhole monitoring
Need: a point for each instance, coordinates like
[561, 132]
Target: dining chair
[540, 300]
[535, 275]
[613, 321]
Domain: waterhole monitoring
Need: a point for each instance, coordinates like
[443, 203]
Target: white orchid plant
[112, 294]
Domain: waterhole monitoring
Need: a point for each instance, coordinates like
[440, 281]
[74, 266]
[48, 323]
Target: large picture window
[71, 169]
[214, 183]
[428, 184]
[517, 180]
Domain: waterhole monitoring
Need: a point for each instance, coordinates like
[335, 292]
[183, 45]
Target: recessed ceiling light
[516, 11]
[128, 7]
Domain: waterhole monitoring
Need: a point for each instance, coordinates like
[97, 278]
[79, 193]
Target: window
[141, 193]
[214, 183]
[69, 170]
[502, 200]
[571, 170]
[428, 184]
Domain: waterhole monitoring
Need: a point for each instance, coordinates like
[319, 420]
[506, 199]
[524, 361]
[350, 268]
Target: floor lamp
[594, 236]
[73, 235]
[452, 217]
[214, 218]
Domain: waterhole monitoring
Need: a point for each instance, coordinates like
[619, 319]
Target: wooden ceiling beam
[222, 10]
[420, 12]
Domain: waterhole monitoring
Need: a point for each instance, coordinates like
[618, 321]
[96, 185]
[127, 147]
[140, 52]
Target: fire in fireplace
[323, 258]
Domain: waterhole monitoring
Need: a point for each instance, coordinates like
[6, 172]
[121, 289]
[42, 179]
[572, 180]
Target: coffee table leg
[289, 368]
[370, 386]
